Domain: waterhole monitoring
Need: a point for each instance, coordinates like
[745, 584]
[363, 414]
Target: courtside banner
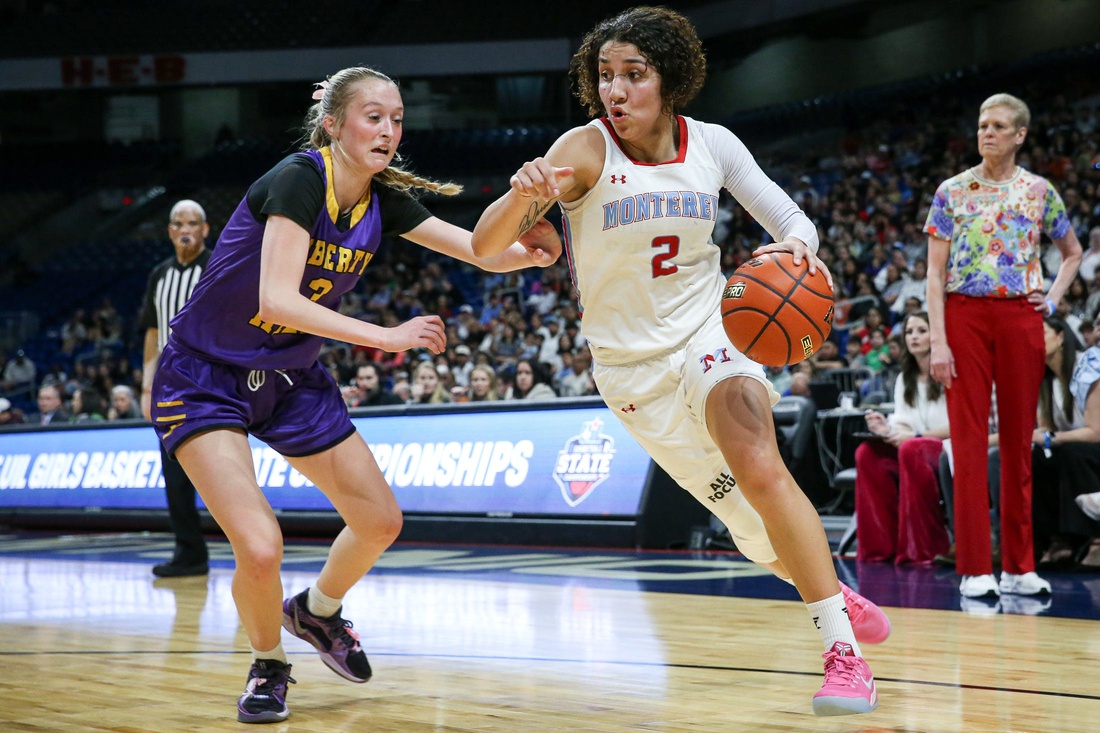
[576, 461]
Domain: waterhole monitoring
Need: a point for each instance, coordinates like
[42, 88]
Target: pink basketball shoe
[849, 687]
[868, 621]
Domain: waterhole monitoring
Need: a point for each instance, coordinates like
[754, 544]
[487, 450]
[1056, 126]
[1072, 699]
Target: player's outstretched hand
[422, 332]
[538, 179]
[542, 243]
[800, 250]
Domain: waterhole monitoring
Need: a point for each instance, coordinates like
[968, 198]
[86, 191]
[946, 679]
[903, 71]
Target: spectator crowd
[520, 335]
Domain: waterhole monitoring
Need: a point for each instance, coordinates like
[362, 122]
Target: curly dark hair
[666, 38]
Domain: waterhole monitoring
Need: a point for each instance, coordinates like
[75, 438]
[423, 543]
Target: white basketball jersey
[639, 246]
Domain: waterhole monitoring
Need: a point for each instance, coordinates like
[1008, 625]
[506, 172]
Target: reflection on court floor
[533, 639]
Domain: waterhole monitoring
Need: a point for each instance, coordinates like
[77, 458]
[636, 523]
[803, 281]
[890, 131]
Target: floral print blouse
[994, 232]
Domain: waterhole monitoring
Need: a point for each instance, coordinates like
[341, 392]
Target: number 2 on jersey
[661, 264]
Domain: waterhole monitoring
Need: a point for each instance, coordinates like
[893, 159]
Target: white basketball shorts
[662, 403]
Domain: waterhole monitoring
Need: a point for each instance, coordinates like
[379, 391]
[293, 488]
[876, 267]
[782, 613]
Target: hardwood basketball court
[520, 639]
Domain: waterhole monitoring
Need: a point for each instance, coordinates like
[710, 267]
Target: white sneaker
[1028, 584]
[979, 586]
[1090, 505]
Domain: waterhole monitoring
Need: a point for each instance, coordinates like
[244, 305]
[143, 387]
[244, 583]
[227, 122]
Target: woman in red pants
[986, 306]
[898, 513]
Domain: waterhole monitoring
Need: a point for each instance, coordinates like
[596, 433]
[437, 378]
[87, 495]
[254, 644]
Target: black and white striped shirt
[170, 285]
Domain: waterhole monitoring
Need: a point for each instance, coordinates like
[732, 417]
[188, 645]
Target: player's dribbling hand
[538, 179]
[798, 250]
[422, 332]
[542, 242]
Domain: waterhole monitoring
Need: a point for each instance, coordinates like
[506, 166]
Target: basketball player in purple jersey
[638, 190]
[243, 359]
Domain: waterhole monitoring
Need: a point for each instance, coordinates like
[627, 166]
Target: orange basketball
[776, 313]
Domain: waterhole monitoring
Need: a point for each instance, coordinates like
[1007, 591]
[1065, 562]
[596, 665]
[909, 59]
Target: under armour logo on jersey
[619, 179]
[256, 379]
[708, 360]
[628, 408]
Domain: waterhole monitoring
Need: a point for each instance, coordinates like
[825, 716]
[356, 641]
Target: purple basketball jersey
[221, 320]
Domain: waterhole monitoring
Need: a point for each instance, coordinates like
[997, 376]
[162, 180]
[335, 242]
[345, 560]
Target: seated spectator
[866, 296]
[443, 369]
[853, 352]
[108, 324]
[878, 351]
[506, 381]
[799, 385]
[1074, 301]
[80, 377]
[55, 376]
[368, 389]
[828, 356]
[551, 329]
[1066, 455]
[532, 382]
[1090, 258]
[507, 344]
[912, 305]
[87, 406]
[889, 283]
[780, 378]
[872, 321]
[103, 380]
[19, 374]
[462, 366]
[532, 347]
[898, 512]
[123, 404]
[402, 388]
[881, 383]
[915, 287]
[427, 389]
[1087, 330]
[578, 382]
[50, 409]
[483, 385]
[10, 415]
[74, 332]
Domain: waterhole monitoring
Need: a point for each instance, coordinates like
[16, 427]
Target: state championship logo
[584, 463]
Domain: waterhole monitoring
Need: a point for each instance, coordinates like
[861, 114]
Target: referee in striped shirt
[170, 285]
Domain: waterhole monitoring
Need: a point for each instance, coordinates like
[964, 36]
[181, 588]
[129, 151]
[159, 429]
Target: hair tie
[319, 93]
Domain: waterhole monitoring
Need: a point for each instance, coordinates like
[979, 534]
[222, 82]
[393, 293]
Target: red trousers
[993, 341]
[898, 512]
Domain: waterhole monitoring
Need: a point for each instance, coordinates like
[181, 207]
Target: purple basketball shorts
[298, 412]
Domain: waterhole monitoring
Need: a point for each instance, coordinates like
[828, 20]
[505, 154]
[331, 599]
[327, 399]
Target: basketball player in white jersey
[639, 192]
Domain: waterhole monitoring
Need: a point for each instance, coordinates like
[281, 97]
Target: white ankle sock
[277, 653]
[830, 615]
[321, 605]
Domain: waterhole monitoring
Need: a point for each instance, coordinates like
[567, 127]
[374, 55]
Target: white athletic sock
[277, 653]
[830, 615]
[321, 605]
